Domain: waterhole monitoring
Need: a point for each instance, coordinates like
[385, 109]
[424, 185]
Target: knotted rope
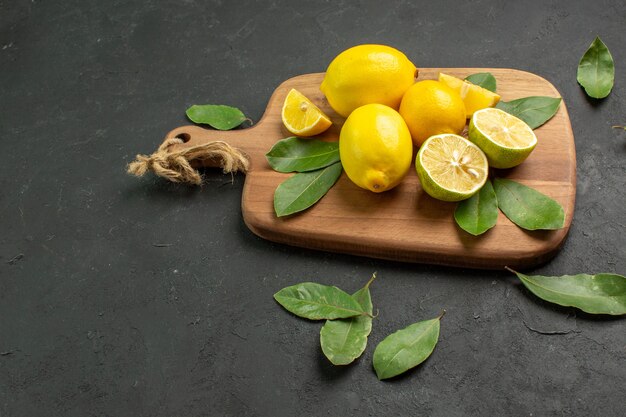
[176, 166]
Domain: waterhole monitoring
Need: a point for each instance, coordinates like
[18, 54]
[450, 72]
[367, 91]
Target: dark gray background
[135, 297]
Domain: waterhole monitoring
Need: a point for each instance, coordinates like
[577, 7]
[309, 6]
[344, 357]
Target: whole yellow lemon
[367, 74]
[375, 147]
[432, 108]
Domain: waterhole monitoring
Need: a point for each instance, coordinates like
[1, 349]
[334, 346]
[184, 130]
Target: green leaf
[478, 213]
[302, 155]
[484, 79]
[406, 348]
[344, 340]
[318, 302]
[304, 189]
[527, 207]
[619, 127]
[603, 293]
[534, 110]
[596, 70]
[215, 115]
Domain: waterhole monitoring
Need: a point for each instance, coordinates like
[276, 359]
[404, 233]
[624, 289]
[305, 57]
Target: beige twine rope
[176, 166]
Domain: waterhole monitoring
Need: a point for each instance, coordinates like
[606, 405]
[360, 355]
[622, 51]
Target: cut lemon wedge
[474, 96]
[506, 140]
[451, 168]
[301, 117]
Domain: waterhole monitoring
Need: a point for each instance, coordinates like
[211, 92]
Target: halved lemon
[450, 167]
[301, 117]
[474, 96]
[506, 140]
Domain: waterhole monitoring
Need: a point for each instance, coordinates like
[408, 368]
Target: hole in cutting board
[185, 137]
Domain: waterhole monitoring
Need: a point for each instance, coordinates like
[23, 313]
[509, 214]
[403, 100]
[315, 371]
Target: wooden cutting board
[404, 224]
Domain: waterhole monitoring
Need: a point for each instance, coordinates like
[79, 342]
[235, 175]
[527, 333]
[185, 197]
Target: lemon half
[506, 140]
[451, 168]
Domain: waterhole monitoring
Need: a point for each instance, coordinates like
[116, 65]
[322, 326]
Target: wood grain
[404, 224]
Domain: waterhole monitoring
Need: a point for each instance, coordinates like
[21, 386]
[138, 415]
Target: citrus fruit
[474, 96]
[301, 117]
[506, 140]
[375, 147]
[430, 108]
[450, 167]
[367, 74]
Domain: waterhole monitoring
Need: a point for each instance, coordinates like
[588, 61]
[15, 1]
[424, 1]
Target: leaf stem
[371, 280]
[510, 270]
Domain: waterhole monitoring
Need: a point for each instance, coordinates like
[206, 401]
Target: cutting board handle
[193, 136]
[188, 147]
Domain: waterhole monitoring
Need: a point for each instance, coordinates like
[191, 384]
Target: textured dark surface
[134, 297]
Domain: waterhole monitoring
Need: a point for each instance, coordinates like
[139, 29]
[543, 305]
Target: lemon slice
[506, 140]
[450, 167]
[474, 96]
[301, 117]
